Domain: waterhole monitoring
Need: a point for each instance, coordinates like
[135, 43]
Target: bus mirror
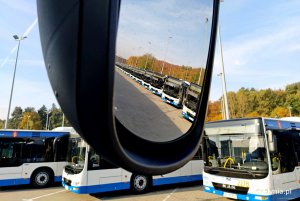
[100, 53]
[272, 141]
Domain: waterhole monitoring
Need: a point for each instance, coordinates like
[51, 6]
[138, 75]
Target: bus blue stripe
[31, 134]
[126, 185]
[284, 195]
[98, 188]
[12, 182]
[174, 180]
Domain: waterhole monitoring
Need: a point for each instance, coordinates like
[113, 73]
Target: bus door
[11, 161]
[61, 145]
[284, 163]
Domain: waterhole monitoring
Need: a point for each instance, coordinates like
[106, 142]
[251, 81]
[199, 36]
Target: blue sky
[261, 47]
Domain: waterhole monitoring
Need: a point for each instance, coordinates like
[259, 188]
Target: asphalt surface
[144, 113]
[189, 192]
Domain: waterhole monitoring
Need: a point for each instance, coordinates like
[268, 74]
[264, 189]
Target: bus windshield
[191, 102]
[242, 155]
[76, 156]
[171, 89]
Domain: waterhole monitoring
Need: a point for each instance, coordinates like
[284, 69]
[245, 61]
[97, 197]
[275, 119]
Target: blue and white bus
[252, 159]
[157, 83]
[191, 101]
[32, 157]
[173, 91]
[88, 172]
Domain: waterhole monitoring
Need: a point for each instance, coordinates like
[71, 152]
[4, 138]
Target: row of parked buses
[177, 92]
[43, 157]
[245, 159]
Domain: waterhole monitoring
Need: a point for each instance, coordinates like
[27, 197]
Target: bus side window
[10, 153]
[286, 152]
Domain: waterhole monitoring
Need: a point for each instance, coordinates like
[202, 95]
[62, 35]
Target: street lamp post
[17, 38]
[163, 64]
[28, 116]
[290, 110]
[147, 55]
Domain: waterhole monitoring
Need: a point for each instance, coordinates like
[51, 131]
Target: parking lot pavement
[57, 193]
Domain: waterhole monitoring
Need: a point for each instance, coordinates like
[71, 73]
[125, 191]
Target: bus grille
[231, 188]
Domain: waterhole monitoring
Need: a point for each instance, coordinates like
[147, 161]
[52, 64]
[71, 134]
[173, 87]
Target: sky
[260, 41]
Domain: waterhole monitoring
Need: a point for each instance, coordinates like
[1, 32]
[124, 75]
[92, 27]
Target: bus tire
[41, 178]
[140, 183]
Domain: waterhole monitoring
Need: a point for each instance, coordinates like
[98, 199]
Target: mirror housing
[272, 141]
[78, 41]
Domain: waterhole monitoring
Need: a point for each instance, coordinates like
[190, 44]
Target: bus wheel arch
[42, 177]
[140, 183]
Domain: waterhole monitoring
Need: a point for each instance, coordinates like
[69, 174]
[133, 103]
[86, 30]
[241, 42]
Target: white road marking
[170, 194]
[30, 199]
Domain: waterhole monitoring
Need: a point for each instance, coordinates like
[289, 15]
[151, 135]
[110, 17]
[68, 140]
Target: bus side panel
[12, 176]
[107, 180]
[286, 185]
[29, 168]
[184, 174]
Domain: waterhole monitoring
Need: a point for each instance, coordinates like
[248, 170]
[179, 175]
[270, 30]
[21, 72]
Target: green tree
[16, 117]
[43, 116]
[2, 123]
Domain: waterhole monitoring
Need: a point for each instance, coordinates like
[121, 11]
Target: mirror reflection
[161, 54]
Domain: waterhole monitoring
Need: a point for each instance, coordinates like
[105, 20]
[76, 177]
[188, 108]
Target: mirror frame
[78, 40]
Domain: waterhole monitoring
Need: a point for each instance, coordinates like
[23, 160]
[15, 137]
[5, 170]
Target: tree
[43, 116]
[31, 121]
[16, 117]
[2, 123]
[29, 109]
[280, 112]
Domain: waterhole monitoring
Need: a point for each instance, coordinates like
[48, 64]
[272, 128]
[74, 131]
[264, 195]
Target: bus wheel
[41, 178]
[140, 183]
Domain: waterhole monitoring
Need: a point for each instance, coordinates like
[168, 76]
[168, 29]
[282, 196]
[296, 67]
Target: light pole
[290, 110]
[47, 120]
[17, 38]
[28, 116]
[163, 64]
[227, 115]
[63, 120]
[147, 55]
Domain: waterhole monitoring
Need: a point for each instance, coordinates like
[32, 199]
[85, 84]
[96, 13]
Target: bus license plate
[230, 195]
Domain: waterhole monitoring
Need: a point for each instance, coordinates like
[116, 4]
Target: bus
[190, 101]
[157, 83]
[32, 157]
[147, 79]
[88, 172]
[252, 159]
[173, 91]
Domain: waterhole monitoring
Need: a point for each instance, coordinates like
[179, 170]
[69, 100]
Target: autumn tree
[31, 121]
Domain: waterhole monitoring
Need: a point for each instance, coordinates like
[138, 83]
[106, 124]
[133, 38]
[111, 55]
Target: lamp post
[163, 64]
[17, 38]
[147, 56]
[28, 116]
[290, 110]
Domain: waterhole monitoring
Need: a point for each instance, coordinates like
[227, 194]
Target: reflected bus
[173, 91]
[190, 101]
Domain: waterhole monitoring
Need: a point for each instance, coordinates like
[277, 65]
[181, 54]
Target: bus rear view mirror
[118, 68]
[272, 141]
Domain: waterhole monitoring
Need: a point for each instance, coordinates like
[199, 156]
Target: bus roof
[31, 133]
[249, 125]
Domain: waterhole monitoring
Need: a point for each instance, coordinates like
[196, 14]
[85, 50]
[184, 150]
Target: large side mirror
[121, 69]
[272, 141]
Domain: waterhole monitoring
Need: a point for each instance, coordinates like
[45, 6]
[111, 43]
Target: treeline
[30, 119]
[150, 63]
[253, 103]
